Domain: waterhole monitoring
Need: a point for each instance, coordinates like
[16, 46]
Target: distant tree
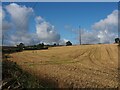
[54, 44]
[21, 46]
[39, 46]
[35, 46]
[48, 45]
[68, 43]
[117, 40]
[58, 44]
[42, 45]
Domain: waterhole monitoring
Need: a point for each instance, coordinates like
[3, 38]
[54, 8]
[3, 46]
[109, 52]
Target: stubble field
[90, 66]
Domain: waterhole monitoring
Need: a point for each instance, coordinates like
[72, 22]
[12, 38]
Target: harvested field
[90, 66]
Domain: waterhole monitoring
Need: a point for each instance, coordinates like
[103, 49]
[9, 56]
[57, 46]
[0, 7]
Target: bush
[68, 43]
[117, 40]
[21, 46]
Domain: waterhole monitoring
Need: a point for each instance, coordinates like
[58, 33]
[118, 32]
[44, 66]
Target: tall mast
[80, 35]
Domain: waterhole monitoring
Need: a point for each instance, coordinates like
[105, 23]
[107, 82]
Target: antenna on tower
[80, 35]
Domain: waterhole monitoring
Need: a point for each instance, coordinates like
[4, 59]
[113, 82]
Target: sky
[49, 22]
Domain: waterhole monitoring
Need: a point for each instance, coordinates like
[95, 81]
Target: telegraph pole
[2, 39]
[80, 35]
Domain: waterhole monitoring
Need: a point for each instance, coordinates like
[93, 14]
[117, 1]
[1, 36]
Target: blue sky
[68, 16]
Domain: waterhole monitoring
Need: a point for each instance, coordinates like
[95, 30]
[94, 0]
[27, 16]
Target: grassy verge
[15, 78]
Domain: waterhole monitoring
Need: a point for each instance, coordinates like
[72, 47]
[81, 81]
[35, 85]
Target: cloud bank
[17, 28]
[20, 32]
[45, 31]
[103, 31]
[107, 28]
[19, 22]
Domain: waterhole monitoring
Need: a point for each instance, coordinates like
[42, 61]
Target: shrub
[68, 43]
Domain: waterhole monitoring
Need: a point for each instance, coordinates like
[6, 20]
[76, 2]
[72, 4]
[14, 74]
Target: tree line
[117, 40]
[21, 46]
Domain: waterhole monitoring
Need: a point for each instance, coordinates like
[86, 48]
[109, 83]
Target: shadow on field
[14, 77]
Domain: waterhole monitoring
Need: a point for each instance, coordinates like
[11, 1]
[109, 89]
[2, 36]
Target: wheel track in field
[87, 52]
[103, 65]
[91, 52]
[81, 54]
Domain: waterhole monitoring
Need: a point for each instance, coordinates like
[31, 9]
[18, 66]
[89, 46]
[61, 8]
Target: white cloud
[104, 31]
[2, 13]
[107, 28]
[45, 31]
[89, 37]
[109, 22]
[19, 16]
[5, 25]
[1, 16]
[63, 41]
